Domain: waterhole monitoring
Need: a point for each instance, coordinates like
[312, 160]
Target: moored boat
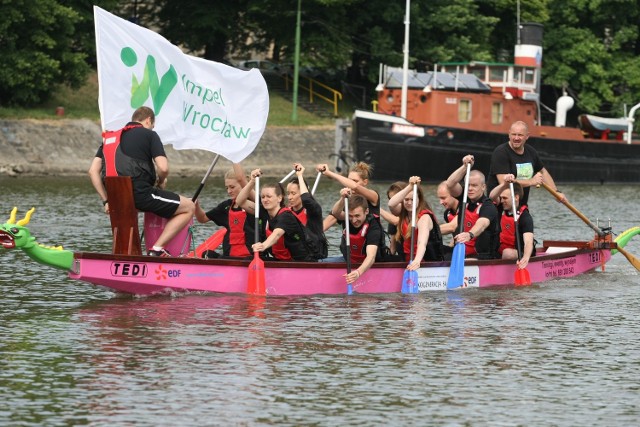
[467, 108]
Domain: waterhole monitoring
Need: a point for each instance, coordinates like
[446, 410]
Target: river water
[564, 353]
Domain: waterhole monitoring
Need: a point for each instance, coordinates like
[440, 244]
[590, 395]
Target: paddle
[315, 184]
[211, 244]
[288, 176]
[204, 179]
[256, 281]
[456, 271]
[410, 278]
[348, 242]
[522, 277]
[633, 260]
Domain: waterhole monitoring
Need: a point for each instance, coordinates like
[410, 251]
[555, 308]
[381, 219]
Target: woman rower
[428, 240]
[228, 214]
[285, 234]
[304, 205]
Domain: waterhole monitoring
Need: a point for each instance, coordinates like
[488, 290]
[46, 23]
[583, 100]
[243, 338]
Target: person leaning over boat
[228, 214]
[428, 240]
[365, 236]
[140, 155]
[450, 216]
[305, 207]
[481, 224]
[519, 159]
[285, 235]
[502, 195]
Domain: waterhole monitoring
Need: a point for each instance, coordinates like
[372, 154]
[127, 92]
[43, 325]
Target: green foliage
[36, 51]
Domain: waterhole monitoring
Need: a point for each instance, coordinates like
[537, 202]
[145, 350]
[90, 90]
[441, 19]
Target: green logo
[150, 85]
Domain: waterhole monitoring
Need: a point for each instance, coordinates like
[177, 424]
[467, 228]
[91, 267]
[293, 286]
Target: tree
[37, 51]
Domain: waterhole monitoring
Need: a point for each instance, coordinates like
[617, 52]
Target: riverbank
[66, 147]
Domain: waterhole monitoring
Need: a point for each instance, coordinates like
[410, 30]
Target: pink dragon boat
[144, 275]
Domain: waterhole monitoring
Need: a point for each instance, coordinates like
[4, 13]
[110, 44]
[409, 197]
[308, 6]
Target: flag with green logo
[199, 104]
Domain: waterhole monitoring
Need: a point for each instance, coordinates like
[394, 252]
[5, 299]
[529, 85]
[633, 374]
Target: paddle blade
[212, 243]
[256, 282]
[522, 277]
[633, 260]
[349, 289]
[410, 282]
[456, 271]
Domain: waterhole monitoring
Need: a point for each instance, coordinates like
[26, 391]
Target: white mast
[405, 65]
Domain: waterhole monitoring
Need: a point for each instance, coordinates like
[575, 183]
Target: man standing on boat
[481, 222]
[517, 158]
[140, 155]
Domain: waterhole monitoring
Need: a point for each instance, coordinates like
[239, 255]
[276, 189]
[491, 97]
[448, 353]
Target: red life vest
[406, 246]
[470, 219]
[110, 143]
[358, 243]
[237, 236]
[301, 215]
[508, 230]
[278, 249]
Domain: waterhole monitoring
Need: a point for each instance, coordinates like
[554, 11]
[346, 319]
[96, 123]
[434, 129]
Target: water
[563, 353]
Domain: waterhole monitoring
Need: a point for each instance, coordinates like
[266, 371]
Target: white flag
[198, 103]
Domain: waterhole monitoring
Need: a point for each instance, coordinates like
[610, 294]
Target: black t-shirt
[220, 216]
[523, 166]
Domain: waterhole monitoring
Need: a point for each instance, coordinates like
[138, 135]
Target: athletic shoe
[161, 253]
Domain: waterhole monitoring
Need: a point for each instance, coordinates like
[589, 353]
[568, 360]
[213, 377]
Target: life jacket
[358, 241]
[237, 232]
[301, 215]
[508, 229]
[299, 247]
[116, 163]
[433, 251]
[470, 219]
[450, 215]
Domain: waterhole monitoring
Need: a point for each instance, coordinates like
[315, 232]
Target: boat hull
[435, 155]
[141, 275]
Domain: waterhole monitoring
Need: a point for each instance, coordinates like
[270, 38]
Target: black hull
[434, 156]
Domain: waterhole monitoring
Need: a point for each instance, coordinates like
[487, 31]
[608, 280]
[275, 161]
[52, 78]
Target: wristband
[104, 202]
[471, 235]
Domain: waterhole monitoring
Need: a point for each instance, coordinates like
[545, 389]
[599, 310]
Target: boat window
[496, 113]
[478, 72]
[497, 74]
[464, 110]
[529, 76]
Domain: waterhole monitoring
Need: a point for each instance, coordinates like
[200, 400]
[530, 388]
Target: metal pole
[296, 66]
[405, 65]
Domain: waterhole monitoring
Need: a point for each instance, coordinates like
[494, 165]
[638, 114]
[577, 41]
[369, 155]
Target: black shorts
[161, 202]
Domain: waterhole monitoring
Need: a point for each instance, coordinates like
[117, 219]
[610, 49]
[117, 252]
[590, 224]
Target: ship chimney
[528, 50]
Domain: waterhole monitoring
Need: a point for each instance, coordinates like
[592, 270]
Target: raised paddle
[633, 260]
[204, 179]
[522, 277]
[348, 242]
[315, 184]
[456, 271]
[410, 278]
[288, 176]
[256, 281]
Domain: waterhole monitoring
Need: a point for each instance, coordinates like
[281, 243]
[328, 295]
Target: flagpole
[296, 67]
[405, 65]
[204, 179]
[98, 61]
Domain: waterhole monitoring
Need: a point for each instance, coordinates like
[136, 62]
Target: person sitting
[365, 236]
[285, 234]
[395, 247]
[305, 206]
[357, 181]
[228, 214]
[428, 240]
[450, 215]
[508, 241]
[140, 155]
[481, 225]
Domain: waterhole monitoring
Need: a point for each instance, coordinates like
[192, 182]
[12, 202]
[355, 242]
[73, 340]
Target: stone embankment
[66, 147]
